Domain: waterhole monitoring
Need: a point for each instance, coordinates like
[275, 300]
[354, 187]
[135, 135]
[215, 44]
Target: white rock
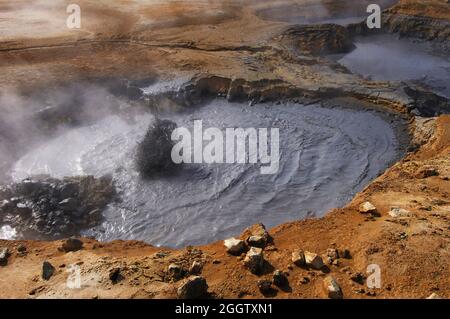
[399, 212]
[367, 208]
[234, 246]
[434, 296]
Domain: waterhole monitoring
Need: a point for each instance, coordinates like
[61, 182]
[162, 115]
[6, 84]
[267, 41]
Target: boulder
[193, 288]
[72, 244]
[47, 270]
[313, 260]
[254, 260]
[298, 258]
[368, 208]
[234, 246]
[332, 288]
[154, 152]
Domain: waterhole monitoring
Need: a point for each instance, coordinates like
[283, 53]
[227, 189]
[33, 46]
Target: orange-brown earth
[168, 39]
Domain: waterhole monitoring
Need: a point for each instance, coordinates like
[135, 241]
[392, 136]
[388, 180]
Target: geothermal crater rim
[176, 237]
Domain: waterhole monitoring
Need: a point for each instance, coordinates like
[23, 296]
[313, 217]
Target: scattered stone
[254, 260]
[175, 271]
[115, 275]
[359, 291]
[234, 246]
[427, 172]
[265, 286]
[305, 280]
[332, 288]
[21, 248]
[193, 288]
[72, 244]
[257, 236]
[358, 278]
[434, 296]
[196, 268]
[47, 270]
[51, 209]
[399, 212]
[368, 208]
[298, 258]
[313, 260]
[331, 255]
[4, 254]
[256, 241]
[279, 278]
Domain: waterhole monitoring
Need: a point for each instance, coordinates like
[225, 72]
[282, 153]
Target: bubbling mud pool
[327, 154]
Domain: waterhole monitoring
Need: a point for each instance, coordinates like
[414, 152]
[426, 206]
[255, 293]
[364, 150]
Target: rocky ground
[399, 222]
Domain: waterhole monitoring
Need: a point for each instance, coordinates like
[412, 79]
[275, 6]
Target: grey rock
[332, 288]
[298, 258]
[397, 212]
[4, 254]
[256, 241]
[313, 260]
[175, 271]
[196, 268]
[47, 270]
[254, 260]
[279, 278]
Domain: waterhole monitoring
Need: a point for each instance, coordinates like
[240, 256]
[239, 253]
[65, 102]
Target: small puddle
[327, 155]
[387, 58]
